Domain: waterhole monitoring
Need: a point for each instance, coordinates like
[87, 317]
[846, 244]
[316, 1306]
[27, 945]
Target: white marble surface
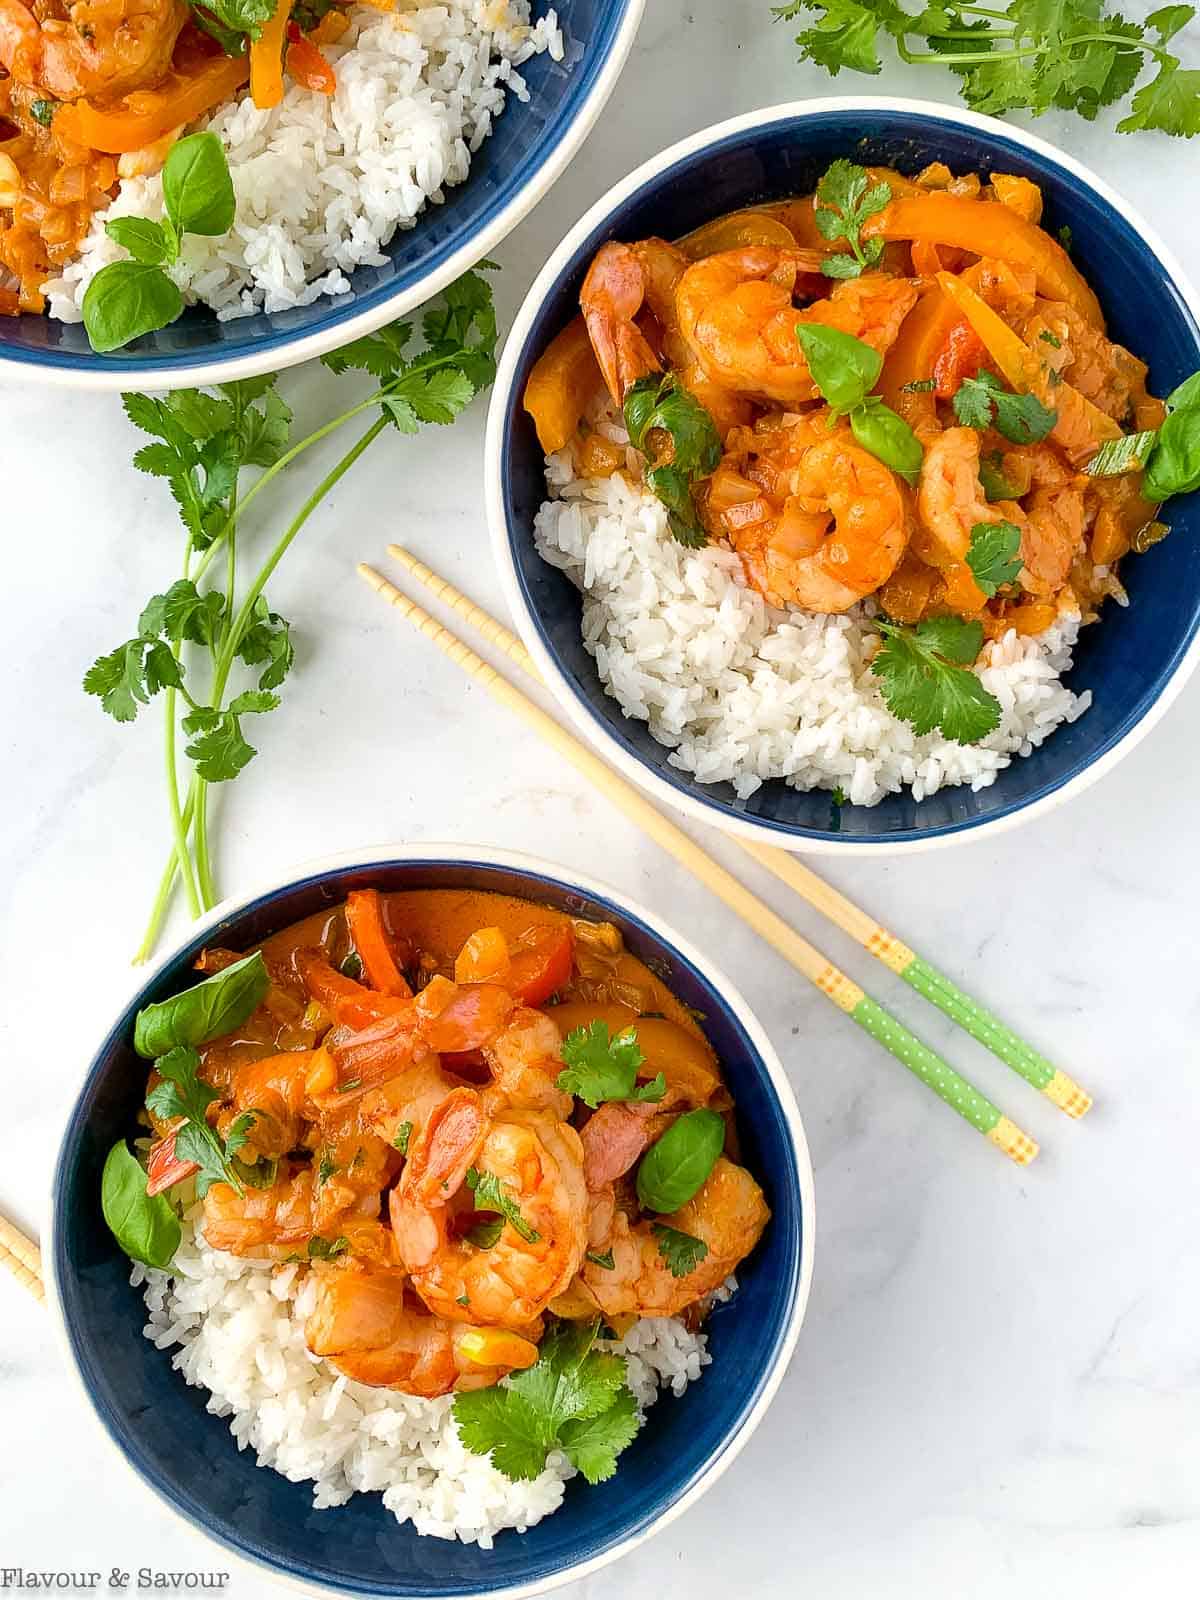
[997, 1389]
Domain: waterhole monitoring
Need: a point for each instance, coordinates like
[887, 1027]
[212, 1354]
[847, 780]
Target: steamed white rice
[238, 1330]
[324, 182]
[740, 692]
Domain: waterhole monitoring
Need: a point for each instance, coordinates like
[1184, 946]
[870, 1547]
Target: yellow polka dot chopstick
[22, 1258]
[923, 1062]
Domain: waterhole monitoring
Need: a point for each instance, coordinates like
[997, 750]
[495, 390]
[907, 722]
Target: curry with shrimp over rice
[841, 476]
[434, 1144]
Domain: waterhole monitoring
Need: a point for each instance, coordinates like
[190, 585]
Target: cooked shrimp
[525, 1060]
[832, 528]
[622, 280]
[269, 1222]
[272, 1091]
[736, 313]
[91, 48]
[728, 1213]
[538, 1160]
[613, 294]
[366, 1324]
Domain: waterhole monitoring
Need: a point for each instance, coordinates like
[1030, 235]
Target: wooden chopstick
[22, 1258]
[923, 1062]
[920, 974]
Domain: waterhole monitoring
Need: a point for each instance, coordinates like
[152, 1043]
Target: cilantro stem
[246, 611]
[166, 883]
[956, 58]
[178, 830]
[204, 875]
[272, 472]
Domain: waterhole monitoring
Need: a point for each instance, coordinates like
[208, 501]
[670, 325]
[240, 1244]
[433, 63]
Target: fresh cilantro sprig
[234, 24]
[492, 1195]
[574, 1399]
[209, 628]
[682, 1252]
[184, 1093]
[1033, 55]
[994, 556]
[691, 448]
[129, 298]
[984, 402]
[845, 199]
[925, 677]
[598, 1067]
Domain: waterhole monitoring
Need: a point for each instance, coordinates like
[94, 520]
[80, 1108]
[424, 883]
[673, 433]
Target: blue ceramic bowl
[1134, 662]
[189, 1458]
[530, 147]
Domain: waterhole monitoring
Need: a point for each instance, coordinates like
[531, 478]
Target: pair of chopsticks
[937, 1074]
[22, 1258]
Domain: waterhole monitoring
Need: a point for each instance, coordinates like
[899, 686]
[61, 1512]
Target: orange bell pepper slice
[147, 114]
[923, 335]
[988, 229]
[266, 58]
[962, 355]
[364, 920]
[1018, 365]
[563, 380]
[307, 66]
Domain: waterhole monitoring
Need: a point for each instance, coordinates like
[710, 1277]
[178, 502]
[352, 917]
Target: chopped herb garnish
[994, 556]
[1127, 454]
[604, 1261]
[463, 1300]
[984, 402]
[183, 1093]
[574, 1399]
[682, 1252]
[43, 111]
[925, 678]
[661, 404]
[350, 1083]
[845, 199]
[600, 1068]
[1051, 339]
[320, 1249]
[492, 1195]
[351, 966]
[919, 386]
[403, 1135]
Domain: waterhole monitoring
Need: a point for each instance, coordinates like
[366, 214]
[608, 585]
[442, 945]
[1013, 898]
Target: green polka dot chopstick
[920, 1060]
[925, 979]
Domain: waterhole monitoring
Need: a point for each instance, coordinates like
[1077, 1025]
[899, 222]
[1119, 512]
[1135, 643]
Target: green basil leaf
[886, 435]
[676, 1165]
[1186, 395]
[141, 237]
[208, 1011]
[1175, 463]
[144, 1225]
[197, 188]
[125, 300]
[843, 368]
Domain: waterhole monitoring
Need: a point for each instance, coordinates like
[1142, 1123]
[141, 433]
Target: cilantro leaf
[682, 1252]
[925, 678]
[600, 1068]
[845, 199]
[983, 402]
[267, 643]
[130, 675]
[661, 405]
[573, 1397]
[492, 1195]
[994, 556]
[1037, 55]
[593, 1444]
[320, 1249]
[402, 1135]
[183, 1093]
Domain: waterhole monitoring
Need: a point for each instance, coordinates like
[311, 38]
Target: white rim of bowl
[306, 348]
[518, 861]
[518, 336]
